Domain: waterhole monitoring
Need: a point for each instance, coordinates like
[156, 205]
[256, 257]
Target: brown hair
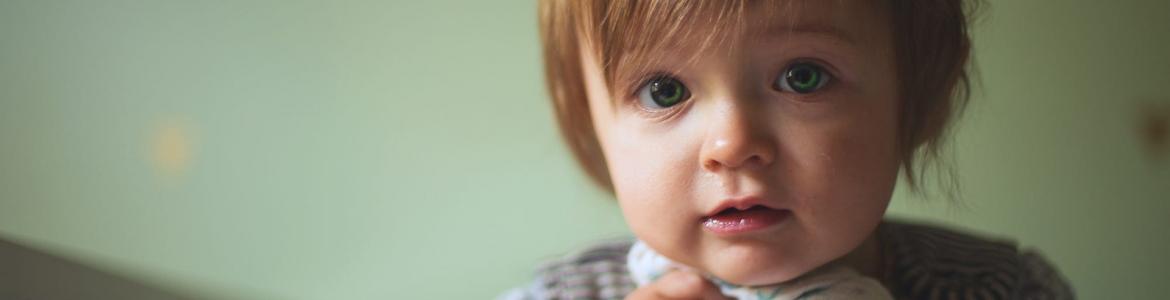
[931, 43]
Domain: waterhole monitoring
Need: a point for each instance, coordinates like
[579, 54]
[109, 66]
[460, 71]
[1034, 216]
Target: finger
[643, 293]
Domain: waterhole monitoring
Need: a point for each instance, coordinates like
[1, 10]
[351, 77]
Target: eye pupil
[667, 92]
[804, 78]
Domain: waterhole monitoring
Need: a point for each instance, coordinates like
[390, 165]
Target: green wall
[404, 149]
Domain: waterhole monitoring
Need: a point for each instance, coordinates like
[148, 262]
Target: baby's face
[764, 160]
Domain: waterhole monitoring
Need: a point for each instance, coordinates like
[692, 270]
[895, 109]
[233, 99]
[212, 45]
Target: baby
[753, 147]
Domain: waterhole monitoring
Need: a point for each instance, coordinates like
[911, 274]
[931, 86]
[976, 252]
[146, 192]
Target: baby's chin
[753, 266]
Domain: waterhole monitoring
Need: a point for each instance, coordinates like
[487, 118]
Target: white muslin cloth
[834, 282]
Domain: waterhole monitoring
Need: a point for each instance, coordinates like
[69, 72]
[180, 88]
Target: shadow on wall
[26, 273]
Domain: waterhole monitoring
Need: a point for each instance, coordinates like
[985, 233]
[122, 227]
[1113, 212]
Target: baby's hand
[678, 284]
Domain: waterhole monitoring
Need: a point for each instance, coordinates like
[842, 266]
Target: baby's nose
[735, 139]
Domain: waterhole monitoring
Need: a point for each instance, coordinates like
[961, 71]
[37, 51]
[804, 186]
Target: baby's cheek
[654, 191]
[863, 174]
[646, 186]
[648, 168]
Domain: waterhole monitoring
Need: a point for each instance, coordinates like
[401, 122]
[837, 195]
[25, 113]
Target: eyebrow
[811, 29]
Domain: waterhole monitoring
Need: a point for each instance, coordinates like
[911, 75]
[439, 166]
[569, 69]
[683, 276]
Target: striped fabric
[922, 262]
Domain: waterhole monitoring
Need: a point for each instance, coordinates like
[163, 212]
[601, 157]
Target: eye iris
[667, 92]
[804, 78]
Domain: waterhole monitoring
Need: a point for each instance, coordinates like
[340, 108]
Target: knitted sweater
[921, 262]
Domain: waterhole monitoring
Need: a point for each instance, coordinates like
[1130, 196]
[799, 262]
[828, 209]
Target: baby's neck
[866, 259]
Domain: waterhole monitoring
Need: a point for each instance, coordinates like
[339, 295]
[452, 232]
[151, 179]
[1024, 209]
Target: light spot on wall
[171, 146]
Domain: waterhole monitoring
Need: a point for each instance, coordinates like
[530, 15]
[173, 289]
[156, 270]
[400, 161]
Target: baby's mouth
[731, 221]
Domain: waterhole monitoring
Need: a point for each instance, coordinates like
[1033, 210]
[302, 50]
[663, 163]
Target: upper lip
[740, 203]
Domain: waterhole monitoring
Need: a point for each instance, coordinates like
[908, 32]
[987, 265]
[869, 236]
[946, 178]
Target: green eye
[663, 92]
[802, 78]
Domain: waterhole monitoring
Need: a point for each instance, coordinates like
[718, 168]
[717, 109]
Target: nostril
[755, 160]
[714, 165]
[711, 165]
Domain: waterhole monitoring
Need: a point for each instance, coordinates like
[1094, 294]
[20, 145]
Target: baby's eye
[802, 78]
[662, 92]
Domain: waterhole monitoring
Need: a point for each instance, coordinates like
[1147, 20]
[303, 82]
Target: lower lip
[745, 221]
